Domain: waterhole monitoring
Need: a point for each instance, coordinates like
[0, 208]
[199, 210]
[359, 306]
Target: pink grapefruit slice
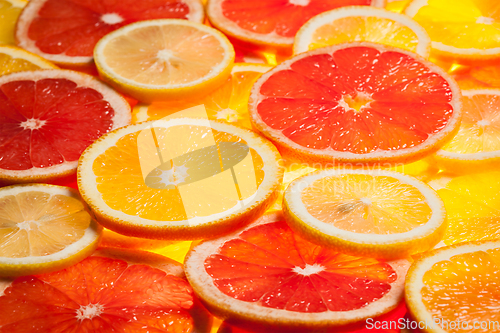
[356, 103]
[48, 118]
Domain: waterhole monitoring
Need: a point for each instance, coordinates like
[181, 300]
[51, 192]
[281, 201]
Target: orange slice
[270, 24]
[373, 213]
[228, 102]
[164, 59]
[185, 178]
[108, 292]
[9, 12]
[358, 103]
[14, 59]
[66, 32]
[270, 277]
[48, 119]
[455, 288]
[43, 228]
[467, 31]
[476, 146]
[362, 24]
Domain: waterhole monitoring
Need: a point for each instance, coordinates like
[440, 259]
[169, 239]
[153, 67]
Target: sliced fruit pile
[279, 149]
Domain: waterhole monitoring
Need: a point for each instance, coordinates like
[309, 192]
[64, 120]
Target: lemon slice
[43, 228]
[164, 59]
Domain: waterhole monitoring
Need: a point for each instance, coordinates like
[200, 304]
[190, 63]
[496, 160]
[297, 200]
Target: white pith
[90, 236]
[414, 282]
[293, 197]
[214, 72]
[111, 18]
[306, 32]
[203, 285]
[89, 186]
[89, 311]
[121, 117]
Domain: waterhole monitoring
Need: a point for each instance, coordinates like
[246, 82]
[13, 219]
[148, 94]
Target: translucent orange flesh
[98, 294]
[365, 28]
[465, 289]
[38, 224]
[480, 127]
[366, 204]
[166, 55]
[273, 267]
[9, 14]
[9, 64]
[162, 198]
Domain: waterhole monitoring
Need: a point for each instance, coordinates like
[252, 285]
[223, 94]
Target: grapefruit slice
[266, 275]
[48, 118]
[112, 291]
[66, 31]
[43, 228]
[359, 103]
[271, 23]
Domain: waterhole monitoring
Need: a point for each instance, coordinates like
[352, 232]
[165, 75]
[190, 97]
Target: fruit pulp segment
[49, 122]
[98, 294]
[73, 27]
[120, 167]
[281, 17]
[365, 28]
[464, 288]
[9, 12]
[480, 127]
[468, 24]
[9, 64]
[166, 55]
[366, 204]
[307, 102]
[37, 224]
[272, 266]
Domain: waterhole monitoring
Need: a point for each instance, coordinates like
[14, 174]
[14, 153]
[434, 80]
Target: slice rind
[372, 213]
[262, 261]
[26, 215]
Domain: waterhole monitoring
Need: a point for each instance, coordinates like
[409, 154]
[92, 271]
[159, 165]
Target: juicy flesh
[71, 118]
[37, 223]
[280, 17]
[480, 127]
[465, 289]
[366, 204]
[472, 204]
[365, 29]
[9, 14]
[9, 64]
[271, 266]
[98, 294]
[468, 24]
[120, 167]
[73, 27]
[164, 55]
[229, 102]
[306, 102]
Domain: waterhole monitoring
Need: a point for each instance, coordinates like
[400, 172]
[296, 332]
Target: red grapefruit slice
[48, 118]
[266, 275]
[356, 103]
[66, 31]
[113, 291]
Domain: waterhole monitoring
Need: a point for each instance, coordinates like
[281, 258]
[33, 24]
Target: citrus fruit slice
[270, 24]
[9, 12]
[467, 32]
[266, 274]
[362, 24]
[476, 146]
[43, 228]
[48, 118]
[14, 59]
[472, 205]
[228, 102]
[455, 288]
[164, 59]
[184, 178]
[356, 103]
[116, 240]
[373, 213]
[66, 32]
[108, 292]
